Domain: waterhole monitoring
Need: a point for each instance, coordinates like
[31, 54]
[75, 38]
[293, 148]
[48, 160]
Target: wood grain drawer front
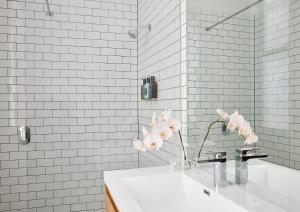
[109, 202]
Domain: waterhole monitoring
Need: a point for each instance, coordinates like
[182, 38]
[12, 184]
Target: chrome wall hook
[24, 134]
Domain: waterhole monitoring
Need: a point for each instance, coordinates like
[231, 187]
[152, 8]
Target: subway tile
[60, 92]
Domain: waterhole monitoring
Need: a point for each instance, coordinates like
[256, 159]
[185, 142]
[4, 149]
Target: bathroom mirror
[244, 55]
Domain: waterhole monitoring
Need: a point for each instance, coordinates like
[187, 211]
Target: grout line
[137, 75]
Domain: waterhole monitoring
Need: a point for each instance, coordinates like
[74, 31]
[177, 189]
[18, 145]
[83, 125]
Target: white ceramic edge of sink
[123, 199]
[126, 202]
[119, 194]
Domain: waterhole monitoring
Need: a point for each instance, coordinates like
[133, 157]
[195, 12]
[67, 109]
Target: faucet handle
[219, 155]
[245, 150]
[243, 154]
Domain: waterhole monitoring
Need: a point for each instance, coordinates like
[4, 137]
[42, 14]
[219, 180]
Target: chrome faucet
[219, 161]
[241, 163]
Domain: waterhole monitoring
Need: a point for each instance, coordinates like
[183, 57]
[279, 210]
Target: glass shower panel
[23, 175]
[13, 157]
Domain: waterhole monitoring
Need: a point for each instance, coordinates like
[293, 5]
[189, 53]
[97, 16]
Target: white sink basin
[175, 192]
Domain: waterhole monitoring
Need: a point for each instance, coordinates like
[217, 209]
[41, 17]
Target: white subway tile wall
[72, 79]
[159, 55]
[277, 81]
[220, 74]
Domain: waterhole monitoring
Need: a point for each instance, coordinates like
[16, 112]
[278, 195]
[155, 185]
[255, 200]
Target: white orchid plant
[235, 123]
[162, 129]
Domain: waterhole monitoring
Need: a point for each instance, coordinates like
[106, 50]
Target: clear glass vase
[178, 164]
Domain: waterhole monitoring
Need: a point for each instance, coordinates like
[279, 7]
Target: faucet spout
[248, 157]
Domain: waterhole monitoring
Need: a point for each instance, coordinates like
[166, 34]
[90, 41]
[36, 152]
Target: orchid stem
[182, 146]
[207, 133]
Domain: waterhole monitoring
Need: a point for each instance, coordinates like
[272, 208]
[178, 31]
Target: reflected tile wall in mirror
[249, 63]
[220, 74]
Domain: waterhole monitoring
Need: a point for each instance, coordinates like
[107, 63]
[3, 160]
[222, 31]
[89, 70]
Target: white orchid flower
[139, 145]
[163, 130]
[245, 129]
[153, 141]
[145, 131]
[174, 125]
[153, 121]
[164, 116]
[235, 121]
[251, 139]
[223, 114]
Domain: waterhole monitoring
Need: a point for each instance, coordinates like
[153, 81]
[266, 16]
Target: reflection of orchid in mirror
[237, 122]
[234, 122]
[162, 128]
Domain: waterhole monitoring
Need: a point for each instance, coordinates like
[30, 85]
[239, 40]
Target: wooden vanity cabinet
[110, 206]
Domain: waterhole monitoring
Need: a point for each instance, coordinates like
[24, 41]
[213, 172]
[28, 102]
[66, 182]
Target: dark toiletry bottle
[143, 89]
[153, 87]
[147, 89]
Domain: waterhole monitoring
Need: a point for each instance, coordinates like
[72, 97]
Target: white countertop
[236, 193]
